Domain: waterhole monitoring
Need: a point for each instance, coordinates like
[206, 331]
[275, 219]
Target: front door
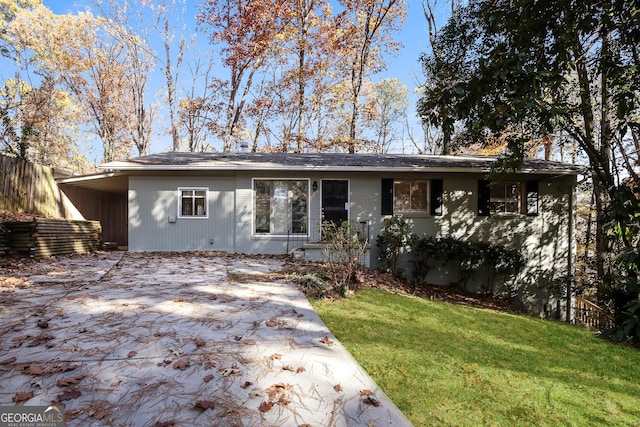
[335, 201]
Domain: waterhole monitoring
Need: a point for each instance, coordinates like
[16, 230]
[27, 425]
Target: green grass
[445, 364]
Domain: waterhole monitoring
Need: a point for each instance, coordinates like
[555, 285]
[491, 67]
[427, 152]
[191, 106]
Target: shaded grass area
[446, 364]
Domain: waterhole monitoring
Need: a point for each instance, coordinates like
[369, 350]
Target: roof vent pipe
[244, 147]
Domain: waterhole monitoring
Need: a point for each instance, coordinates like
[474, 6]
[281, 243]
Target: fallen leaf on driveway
[69, 394]
[208, 378]
[337, 387]
[100, 414]
[371, 401]
[283, 400]
[98, 410]
[182, 364]
[18, 341]
[92, 352]
[300, 370]
[251, 342]
[271, 323]
[41, 339]
[66, 368]
[231, 371]
[266, 406]
[278, 389]
[366, 393]
[8, 361]
[326, 341]
[203, 405]
[63, 382]
[34, 370]
[275, 356]
[200, 342]
[132, 353]
[246, 384]
[20, 398]
[72, 414]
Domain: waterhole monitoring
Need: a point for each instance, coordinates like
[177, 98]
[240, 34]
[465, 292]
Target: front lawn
[447, 364]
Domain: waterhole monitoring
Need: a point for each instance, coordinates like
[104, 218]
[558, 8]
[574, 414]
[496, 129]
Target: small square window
[410, 196]
[193, 202]
[506, 197]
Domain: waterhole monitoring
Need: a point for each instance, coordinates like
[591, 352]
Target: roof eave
[278, 168]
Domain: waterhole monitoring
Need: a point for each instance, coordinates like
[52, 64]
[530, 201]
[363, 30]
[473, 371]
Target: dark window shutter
[484, 197]
[532, 198]
[436, 196]
[387, 196]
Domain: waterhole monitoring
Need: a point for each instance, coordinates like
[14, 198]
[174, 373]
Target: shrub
[314, 283]
[393, 241]
[471, 257]
[342, 251]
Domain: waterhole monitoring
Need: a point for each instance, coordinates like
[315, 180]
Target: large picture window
[193, 203]
[280, 206]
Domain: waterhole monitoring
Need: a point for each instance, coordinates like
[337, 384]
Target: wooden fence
[28, 187]
[31, 188]
[592, 316]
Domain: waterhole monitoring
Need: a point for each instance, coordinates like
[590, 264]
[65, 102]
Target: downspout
[570, 252]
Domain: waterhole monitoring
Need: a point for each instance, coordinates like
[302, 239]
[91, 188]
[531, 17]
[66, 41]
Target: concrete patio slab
[177, 340]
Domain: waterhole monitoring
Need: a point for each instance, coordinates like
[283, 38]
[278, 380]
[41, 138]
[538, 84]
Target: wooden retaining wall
[47, 237]
[4, 240]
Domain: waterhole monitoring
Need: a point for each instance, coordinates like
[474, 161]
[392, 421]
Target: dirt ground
[124, 339]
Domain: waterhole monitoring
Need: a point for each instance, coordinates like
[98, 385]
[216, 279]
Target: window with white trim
[506, 197]
[193, 202]
[280, 206]
[410, 196]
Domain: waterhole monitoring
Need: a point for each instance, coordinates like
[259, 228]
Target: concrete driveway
[176, 340]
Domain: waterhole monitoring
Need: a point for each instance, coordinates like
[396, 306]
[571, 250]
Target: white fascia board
[91, 177]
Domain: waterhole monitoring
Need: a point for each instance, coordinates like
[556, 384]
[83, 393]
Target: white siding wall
[153, 200]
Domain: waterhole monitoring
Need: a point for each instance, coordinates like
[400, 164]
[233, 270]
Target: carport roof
[342, 162]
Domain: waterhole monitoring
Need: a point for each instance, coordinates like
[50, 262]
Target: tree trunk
[171, 91]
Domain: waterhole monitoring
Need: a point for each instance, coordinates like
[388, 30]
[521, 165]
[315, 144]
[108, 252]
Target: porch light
[315, 185]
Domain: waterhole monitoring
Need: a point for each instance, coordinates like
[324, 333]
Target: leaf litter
[118, 316]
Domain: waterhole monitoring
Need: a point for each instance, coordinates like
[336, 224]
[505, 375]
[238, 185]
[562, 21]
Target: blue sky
[404, 66]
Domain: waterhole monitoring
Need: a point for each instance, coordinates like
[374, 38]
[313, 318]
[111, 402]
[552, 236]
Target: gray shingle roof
[329, 162]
